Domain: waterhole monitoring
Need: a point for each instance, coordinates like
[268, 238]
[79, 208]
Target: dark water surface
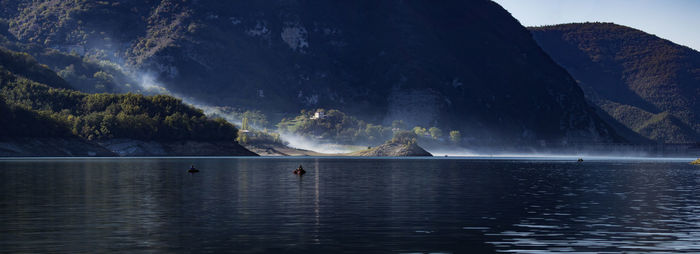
[347, 205]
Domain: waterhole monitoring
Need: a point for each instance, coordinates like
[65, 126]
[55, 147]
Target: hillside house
[318, 115]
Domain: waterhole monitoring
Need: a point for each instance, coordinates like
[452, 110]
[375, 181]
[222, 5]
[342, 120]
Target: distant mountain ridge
[462, 65]
[650, 85]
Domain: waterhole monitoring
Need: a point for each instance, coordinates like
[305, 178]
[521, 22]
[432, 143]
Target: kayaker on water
[299, 171]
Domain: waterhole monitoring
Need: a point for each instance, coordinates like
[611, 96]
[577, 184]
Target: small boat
[299, 171]
[580, 159]
[192, 169]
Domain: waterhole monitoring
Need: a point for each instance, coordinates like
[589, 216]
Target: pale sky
[674, 20]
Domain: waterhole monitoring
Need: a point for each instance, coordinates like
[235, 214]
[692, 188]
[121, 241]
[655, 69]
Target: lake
[253, 205]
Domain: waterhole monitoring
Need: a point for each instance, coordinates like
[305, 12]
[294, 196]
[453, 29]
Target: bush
[404, 137]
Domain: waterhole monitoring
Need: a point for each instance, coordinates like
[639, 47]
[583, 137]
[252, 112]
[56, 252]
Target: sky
[674, 20]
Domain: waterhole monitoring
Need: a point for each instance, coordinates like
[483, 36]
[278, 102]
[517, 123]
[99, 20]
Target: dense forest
[648, 84]
[32, 106]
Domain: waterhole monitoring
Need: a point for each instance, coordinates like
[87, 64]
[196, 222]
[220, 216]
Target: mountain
[51, 120]
[646, 83]
[87, 74]
[457, 65]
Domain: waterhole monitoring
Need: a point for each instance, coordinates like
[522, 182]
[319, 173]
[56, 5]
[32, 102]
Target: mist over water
[614, 151]
[487, 154]
[305, 143]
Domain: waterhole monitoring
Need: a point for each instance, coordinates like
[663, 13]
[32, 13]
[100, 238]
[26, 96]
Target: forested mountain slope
[462, 65]
[649, 84]
[31, 109]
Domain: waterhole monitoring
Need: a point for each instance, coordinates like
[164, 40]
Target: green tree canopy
[435, 132]
[420, 131]
[455, 136]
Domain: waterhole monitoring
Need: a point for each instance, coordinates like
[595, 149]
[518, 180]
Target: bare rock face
[131, 147]
[29, 147]
[72, 147]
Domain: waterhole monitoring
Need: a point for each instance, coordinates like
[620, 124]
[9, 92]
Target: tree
[258, 119]
[244, 124]
[398, 124]
[242, 137]
[435, 132]
[455, 136]
[404, 137]
[373, 131]
[420, 131]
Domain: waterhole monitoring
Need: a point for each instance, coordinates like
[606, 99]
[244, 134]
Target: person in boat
[192, 169]
[299, 171]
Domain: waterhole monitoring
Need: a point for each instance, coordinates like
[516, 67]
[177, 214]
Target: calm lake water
[253, 205]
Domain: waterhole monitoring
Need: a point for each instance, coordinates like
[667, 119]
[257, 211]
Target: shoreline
[562, 158]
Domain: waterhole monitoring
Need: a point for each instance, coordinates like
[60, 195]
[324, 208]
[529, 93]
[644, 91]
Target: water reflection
[347, 205]
[317, 202]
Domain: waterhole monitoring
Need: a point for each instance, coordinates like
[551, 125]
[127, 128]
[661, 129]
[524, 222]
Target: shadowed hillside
[649, 84]
[456, 65]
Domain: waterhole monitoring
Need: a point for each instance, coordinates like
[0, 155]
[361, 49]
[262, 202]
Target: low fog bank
[465, 152]
[563, 157]
[566, 154]
[305, 143]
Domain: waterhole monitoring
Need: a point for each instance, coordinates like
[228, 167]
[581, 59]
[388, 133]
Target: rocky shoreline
[282, 150]
[393, 149]
[41, 147]
[76, 147]
[131, 147]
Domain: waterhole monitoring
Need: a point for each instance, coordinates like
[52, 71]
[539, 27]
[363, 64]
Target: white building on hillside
[318, 115]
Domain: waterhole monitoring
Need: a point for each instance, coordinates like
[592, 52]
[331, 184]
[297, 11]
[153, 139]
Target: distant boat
[192, 169]
[580, 159]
